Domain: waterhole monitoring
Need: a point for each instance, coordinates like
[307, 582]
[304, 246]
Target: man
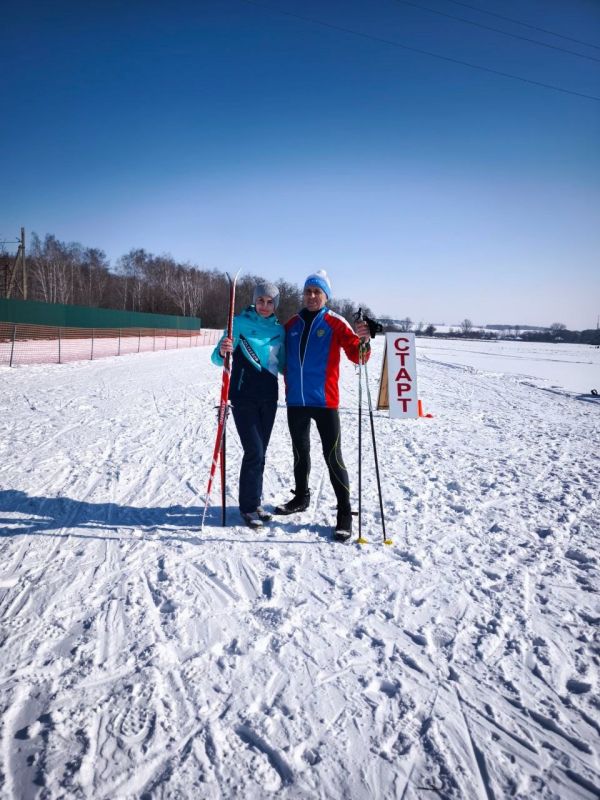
[314, 339]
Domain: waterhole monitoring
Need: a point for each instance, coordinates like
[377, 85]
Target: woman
[258, 356]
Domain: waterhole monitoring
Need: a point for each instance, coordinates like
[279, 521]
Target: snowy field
[575, 368]
[143, 658]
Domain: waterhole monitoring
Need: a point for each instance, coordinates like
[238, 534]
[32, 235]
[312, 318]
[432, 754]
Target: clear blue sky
[232, 135]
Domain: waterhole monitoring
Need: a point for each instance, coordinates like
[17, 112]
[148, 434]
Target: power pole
[23, 262]
[12, 270]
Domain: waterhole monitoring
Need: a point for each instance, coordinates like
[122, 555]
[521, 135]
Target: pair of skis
[223, 412]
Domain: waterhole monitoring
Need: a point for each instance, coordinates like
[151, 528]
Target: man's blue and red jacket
[312, 347]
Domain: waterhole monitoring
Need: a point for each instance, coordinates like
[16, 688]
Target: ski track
[141, 657]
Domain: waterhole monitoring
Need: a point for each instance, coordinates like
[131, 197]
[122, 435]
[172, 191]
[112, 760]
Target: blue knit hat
[320, 279]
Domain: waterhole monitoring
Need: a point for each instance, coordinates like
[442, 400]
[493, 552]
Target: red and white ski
[219, 450]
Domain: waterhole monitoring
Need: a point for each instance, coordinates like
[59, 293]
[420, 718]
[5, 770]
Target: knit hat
[266, 289]
[320, 279]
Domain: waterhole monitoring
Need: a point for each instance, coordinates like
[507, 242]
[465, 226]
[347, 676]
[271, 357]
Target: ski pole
[361, 539]
[223, 484]
[385, 539]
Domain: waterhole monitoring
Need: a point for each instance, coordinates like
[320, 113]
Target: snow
[563, 367]
[143, 658]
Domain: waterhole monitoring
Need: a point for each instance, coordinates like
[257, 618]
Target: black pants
[254, 422]
[328, 426]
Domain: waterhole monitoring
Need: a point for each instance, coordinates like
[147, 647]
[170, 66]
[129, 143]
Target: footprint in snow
[575, 686]
[418, 638]
[135, 724]
[162, 573]
[390, 688]
[406, 555]
[36, 728]
[583, 560]
[268, 586]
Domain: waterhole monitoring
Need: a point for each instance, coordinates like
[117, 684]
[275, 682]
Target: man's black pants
[328, 426]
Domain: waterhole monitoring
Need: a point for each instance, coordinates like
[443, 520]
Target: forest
[70, 273]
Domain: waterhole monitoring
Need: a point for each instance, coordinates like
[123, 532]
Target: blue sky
[230, 135]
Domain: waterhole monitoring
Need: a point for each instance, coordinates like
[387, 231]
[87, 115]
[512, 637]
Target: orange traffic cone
[420, 410]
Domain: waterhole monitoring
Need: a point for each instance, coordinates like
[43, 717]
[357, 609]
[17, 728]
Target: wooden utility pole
[19, 262]
[23, 263]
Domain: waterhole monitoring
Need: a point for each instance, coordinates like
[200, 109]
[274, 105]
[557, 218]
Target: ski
[219, 448]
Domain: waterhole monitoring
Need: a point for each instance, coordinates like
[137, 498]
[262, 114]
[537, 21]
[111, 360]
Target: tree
[290, 299]
[187, 290]
[466, 326]
[344, 307]
[557, 327]
[134, 267]
[430, 330]
[405, 324]
[244, 292]
[63, 272]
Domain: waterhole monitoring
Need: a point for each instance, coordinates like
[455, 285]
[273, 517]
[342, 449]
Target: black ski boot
[264, 515]
[252, 519]
[343, 528]
[300, 502]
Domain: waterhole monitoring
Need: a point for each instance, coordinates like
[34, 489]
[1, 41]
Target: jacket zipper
[304, 356]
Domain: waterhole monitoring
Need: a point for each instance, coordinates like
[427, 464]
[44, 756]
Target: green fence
[30, 312]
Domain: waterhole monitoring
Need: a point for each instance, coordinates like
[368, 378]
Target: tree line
[557, 332]
[69, 273]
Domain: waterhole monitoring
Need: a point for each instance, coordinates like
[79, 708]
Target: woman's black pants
[254, 422]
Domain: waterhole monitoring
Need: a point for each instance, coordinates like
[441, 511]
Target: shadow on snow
[49, 515]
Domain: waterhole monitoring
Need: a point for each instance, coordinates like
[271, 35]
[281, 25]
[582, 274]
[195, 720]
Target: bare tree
[244, 293]
[133, 266]
[466, 326]
[53, 268]
[186, 288]
[405, 324]
[93, 277]
[290, 299]
[63, 272]
[215, 301]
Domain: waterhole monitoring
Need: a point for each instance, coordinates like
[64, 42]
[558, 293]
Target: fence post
[92, 353]
[119, 350]
[59, 345]
[12, 349]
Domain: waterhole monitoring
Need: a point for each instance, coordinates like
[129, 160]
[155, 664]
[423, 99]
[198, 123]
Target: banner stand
[398, 380]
